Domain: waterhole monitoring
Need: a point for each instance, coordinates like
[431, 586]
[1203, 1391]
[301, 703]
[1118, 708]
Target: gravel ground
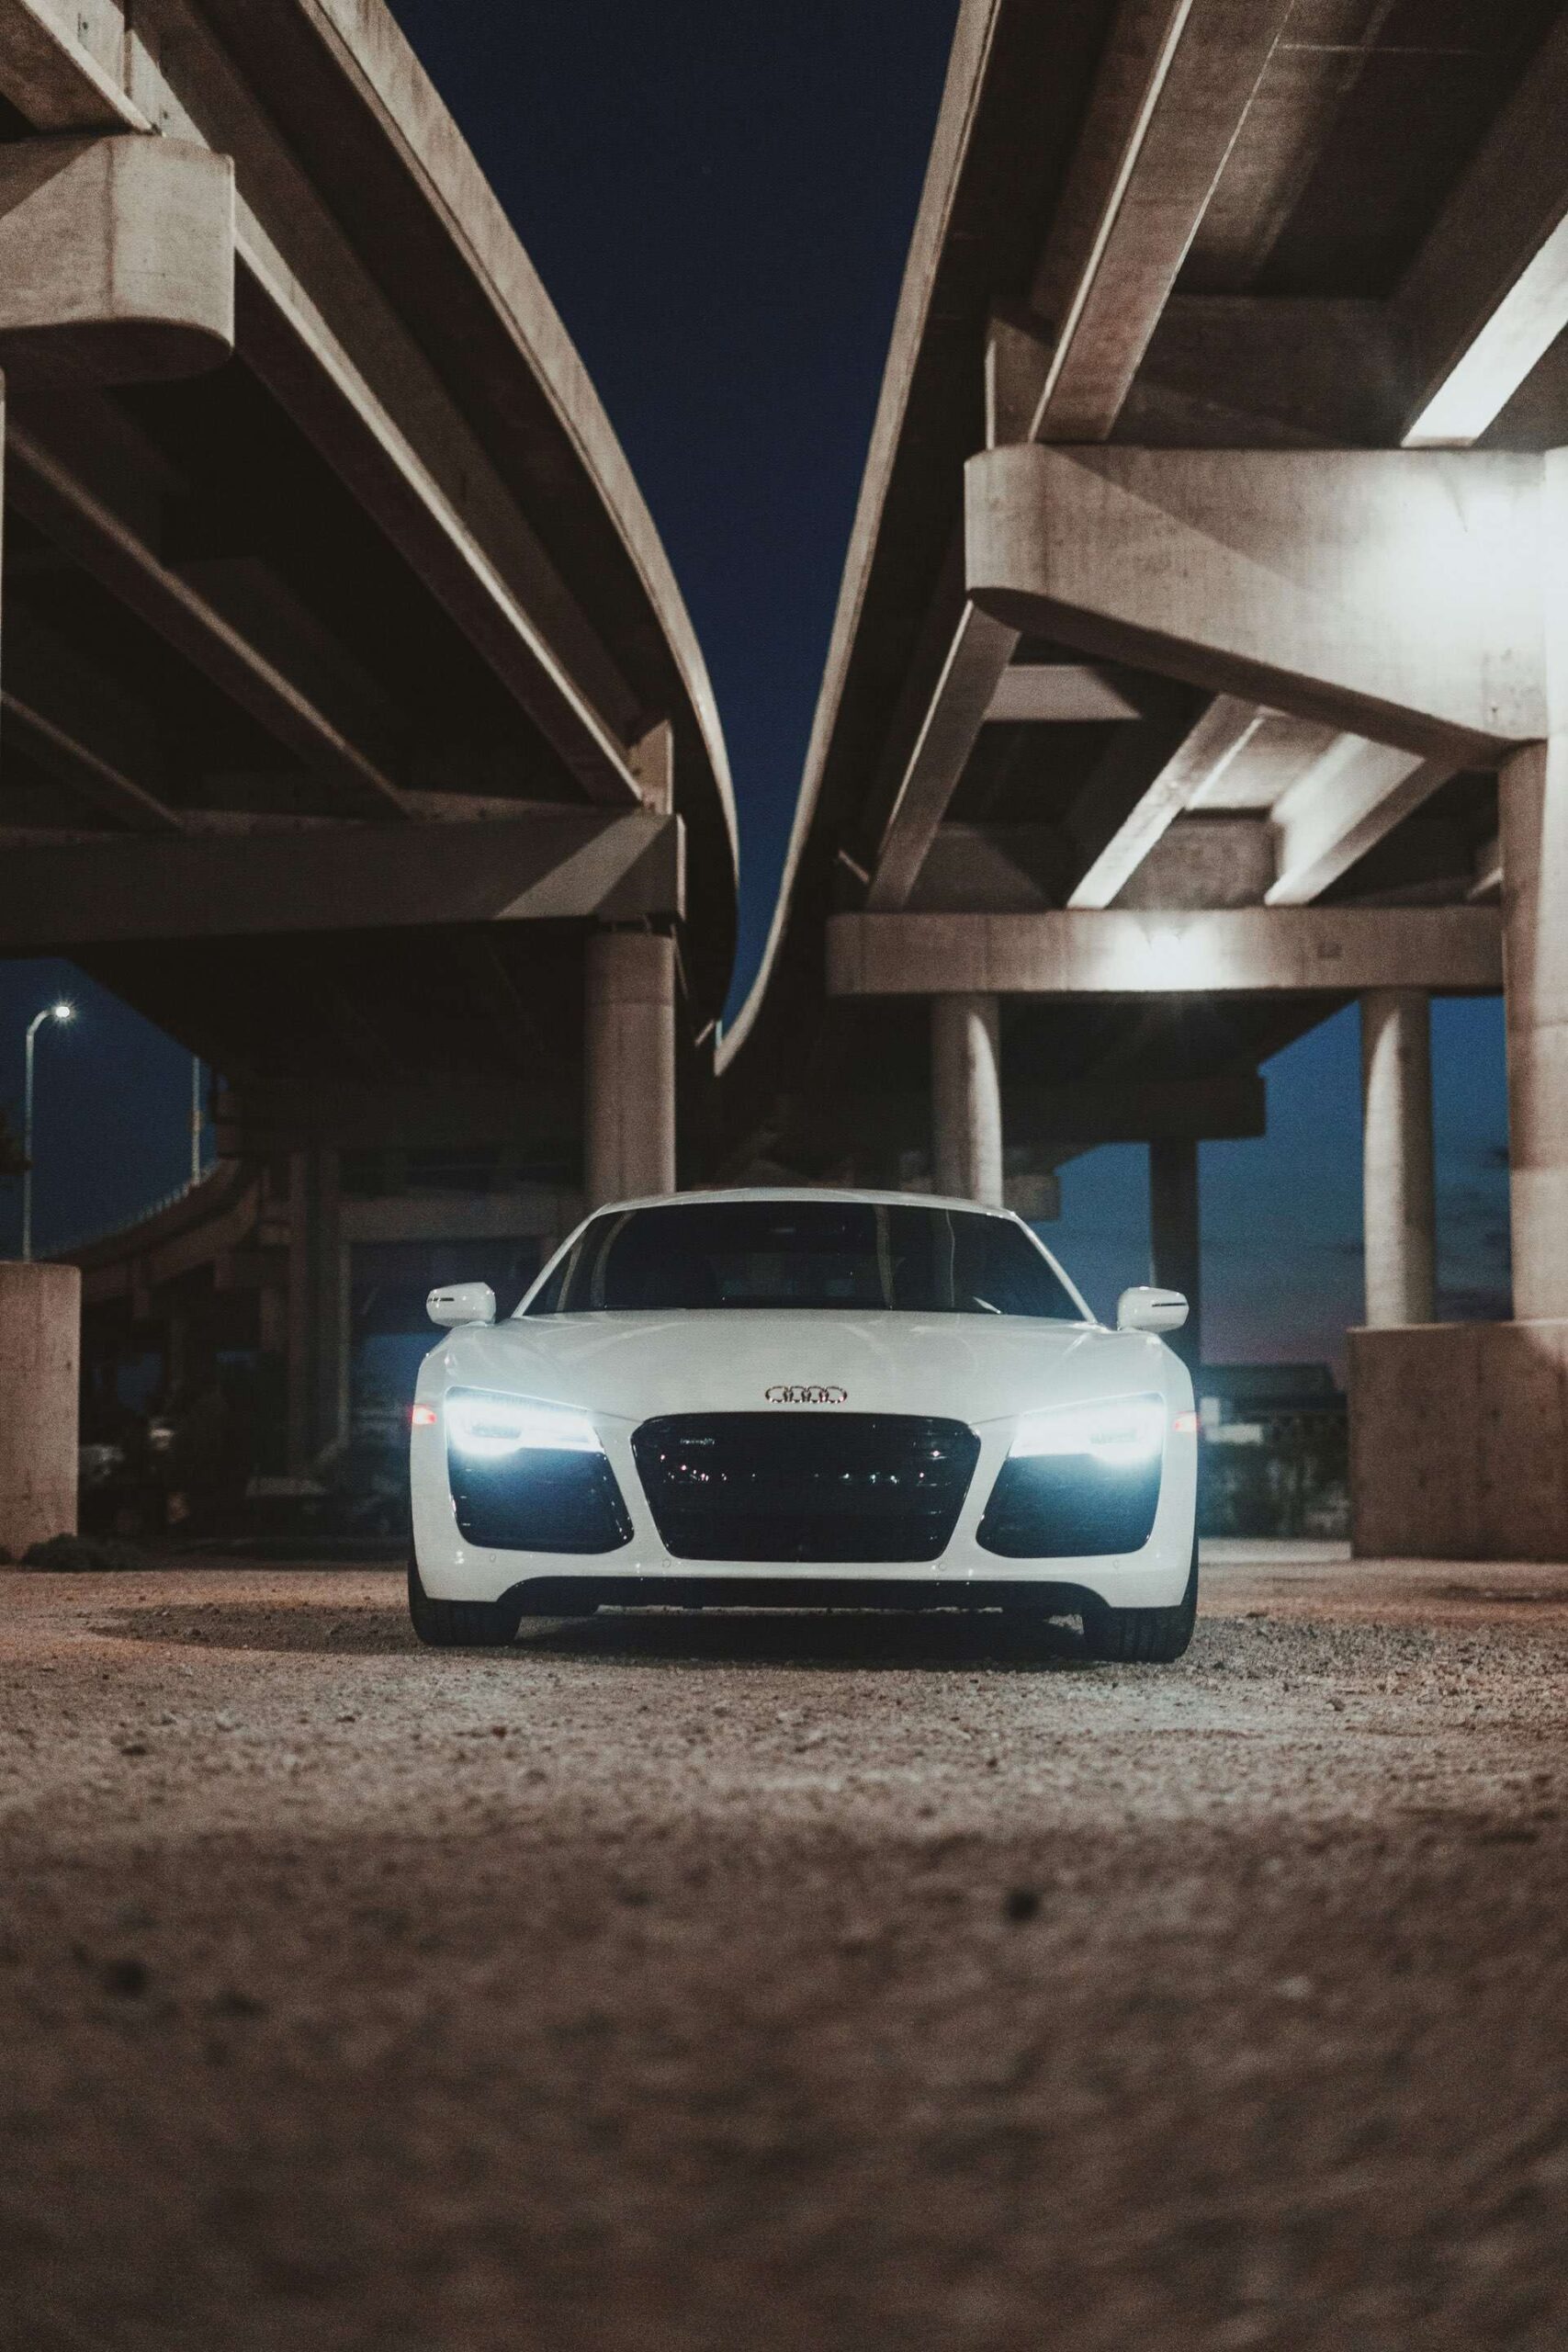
[783, 1983]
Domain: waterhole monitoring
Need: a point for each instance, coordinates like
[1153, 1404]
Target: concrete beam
[1396, 594]
[1223, 733]
[335, 351]
[1175, 85]
[1203, 863]
[1175, 82]
[1341, 808]
[1008, 869]
[306, 369]
[976, 664]
[85, 774]
[556, 864]
[1487, 294]
[83, 729]
[117, 258]
[1239, 371]
[114, 549]
[51, 76]
[1220, 861]
[1277, 755]
[1232, 951]
[1049, 693]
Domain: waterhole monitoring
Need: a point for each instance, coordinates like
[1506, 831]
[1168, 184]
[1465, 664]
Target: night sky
[718, 200]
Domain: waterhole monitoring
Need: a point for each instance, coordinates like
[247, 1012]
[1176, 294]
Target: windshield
[911, 1260]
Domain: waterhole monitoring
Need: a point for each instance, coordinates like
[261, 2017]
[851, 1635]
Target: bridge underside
[1197, 669]
[351, 728]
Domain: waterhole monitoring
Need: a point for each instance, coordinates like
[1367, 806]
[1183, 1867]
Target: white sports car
[805, 1400]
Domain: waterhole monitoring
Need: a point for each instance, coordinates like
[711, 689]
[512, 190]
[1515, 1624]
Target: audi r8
[805, 1400]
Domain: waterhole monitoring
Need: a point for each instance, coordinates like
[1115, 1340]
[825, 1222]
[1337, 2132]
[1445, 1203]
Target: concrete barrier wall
[41, 1346]
[1459, 1441]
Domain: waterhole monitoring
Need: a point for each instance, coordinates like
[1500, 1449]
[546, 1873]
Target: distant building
[1276, 1452]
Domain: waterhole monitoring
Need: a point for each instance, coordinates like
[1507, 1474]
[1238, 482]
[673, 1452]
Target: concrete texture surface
[40, 1348]
[1458, 1441]
[117, 258]
[797, 1982]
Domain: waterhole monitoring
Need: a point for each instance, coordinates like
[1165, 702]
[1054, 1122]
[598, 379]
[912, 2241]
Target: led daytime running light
[488, 1428]
[1122, 1432]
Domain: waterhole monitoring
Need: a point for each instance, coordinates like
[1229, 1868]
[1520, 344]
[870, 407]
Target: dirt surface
[800, 1983]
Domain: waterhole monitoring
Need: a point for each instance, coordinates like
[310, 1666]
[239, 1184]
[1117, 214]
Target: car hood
[969, 1367]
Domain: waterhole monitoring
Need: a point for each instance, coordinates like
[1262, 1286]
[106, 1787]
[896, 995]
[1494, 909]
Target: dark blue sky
[719, 199]
[718, 195]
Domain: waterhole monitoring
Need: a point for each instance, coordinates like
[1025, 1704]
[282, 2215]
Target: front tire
[459, 1625]
[1144, 1636]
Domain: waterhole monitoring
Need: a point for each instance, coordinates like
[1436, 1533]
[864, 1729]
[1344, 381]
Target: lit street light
[61, 1012]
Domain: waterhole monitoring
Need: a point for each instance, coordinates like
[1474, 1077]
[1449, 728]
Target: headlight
[488, 1427]
[1122, 1432]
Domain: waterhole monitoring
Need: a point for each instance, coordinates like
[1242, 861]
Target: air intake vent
[539, 1502]
[1066, 1507]
[806, 1487]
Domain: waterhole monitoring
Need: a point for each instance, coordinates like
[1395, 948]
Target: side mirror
[1145, 1308]
[457, 1303]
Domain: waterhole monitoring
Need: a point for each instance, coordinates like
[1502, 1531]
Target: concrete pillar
[40, 1348]
[1532, 806]
[1398, 1215]
[629, 1075]
[966, 1099]
[1533, 809]
[318, 1321]
[1175, 1236]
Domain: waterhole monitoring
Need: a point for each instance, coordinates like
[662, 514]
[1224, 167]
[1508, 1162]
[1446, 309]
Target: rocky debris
[949, 1990]
[87, 1555]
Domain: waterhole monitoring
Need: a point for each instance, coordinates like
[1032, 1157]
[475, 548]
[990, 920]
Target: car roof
[778, 1193]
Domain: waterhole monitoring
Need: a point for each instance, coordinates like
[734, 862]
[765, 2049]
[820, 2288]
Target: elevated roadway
[1197, 663]
[352, 726]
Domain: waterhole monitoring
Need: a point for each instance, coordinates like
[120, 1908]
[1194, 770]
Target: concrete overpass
[353, 728]
[1199, 663]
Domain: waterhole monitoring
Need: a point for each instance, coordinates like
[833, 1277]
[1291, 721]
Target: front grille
[538, 1500]
[1065, 1507]
[805, 1486]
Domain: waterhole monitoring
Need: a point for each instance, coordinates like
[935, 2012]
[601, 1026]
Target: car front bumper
[643, 1571]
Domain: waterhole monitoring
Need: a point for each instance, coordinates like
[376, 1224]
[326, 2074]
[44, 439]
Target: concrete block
[1397, 595]
[1459, 1441]
[1124, 952]
[41, 1341]
[117, 258]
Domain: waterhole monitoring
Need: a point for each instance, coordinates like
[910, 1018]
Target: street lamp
[61, 1012]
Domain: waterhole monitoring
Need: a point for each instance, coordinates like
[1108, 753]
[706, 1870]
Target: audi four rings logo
[807, 1395]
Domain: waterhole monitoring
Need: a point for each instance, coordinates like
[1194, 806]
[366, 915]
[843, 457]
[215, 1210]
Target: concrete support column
[1532, 806]
[629, 1146]
[40, 1349]
[1398, 1213]
[1175, 1236]
[966, 1099]
[318, 1308]
[1533, 809]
